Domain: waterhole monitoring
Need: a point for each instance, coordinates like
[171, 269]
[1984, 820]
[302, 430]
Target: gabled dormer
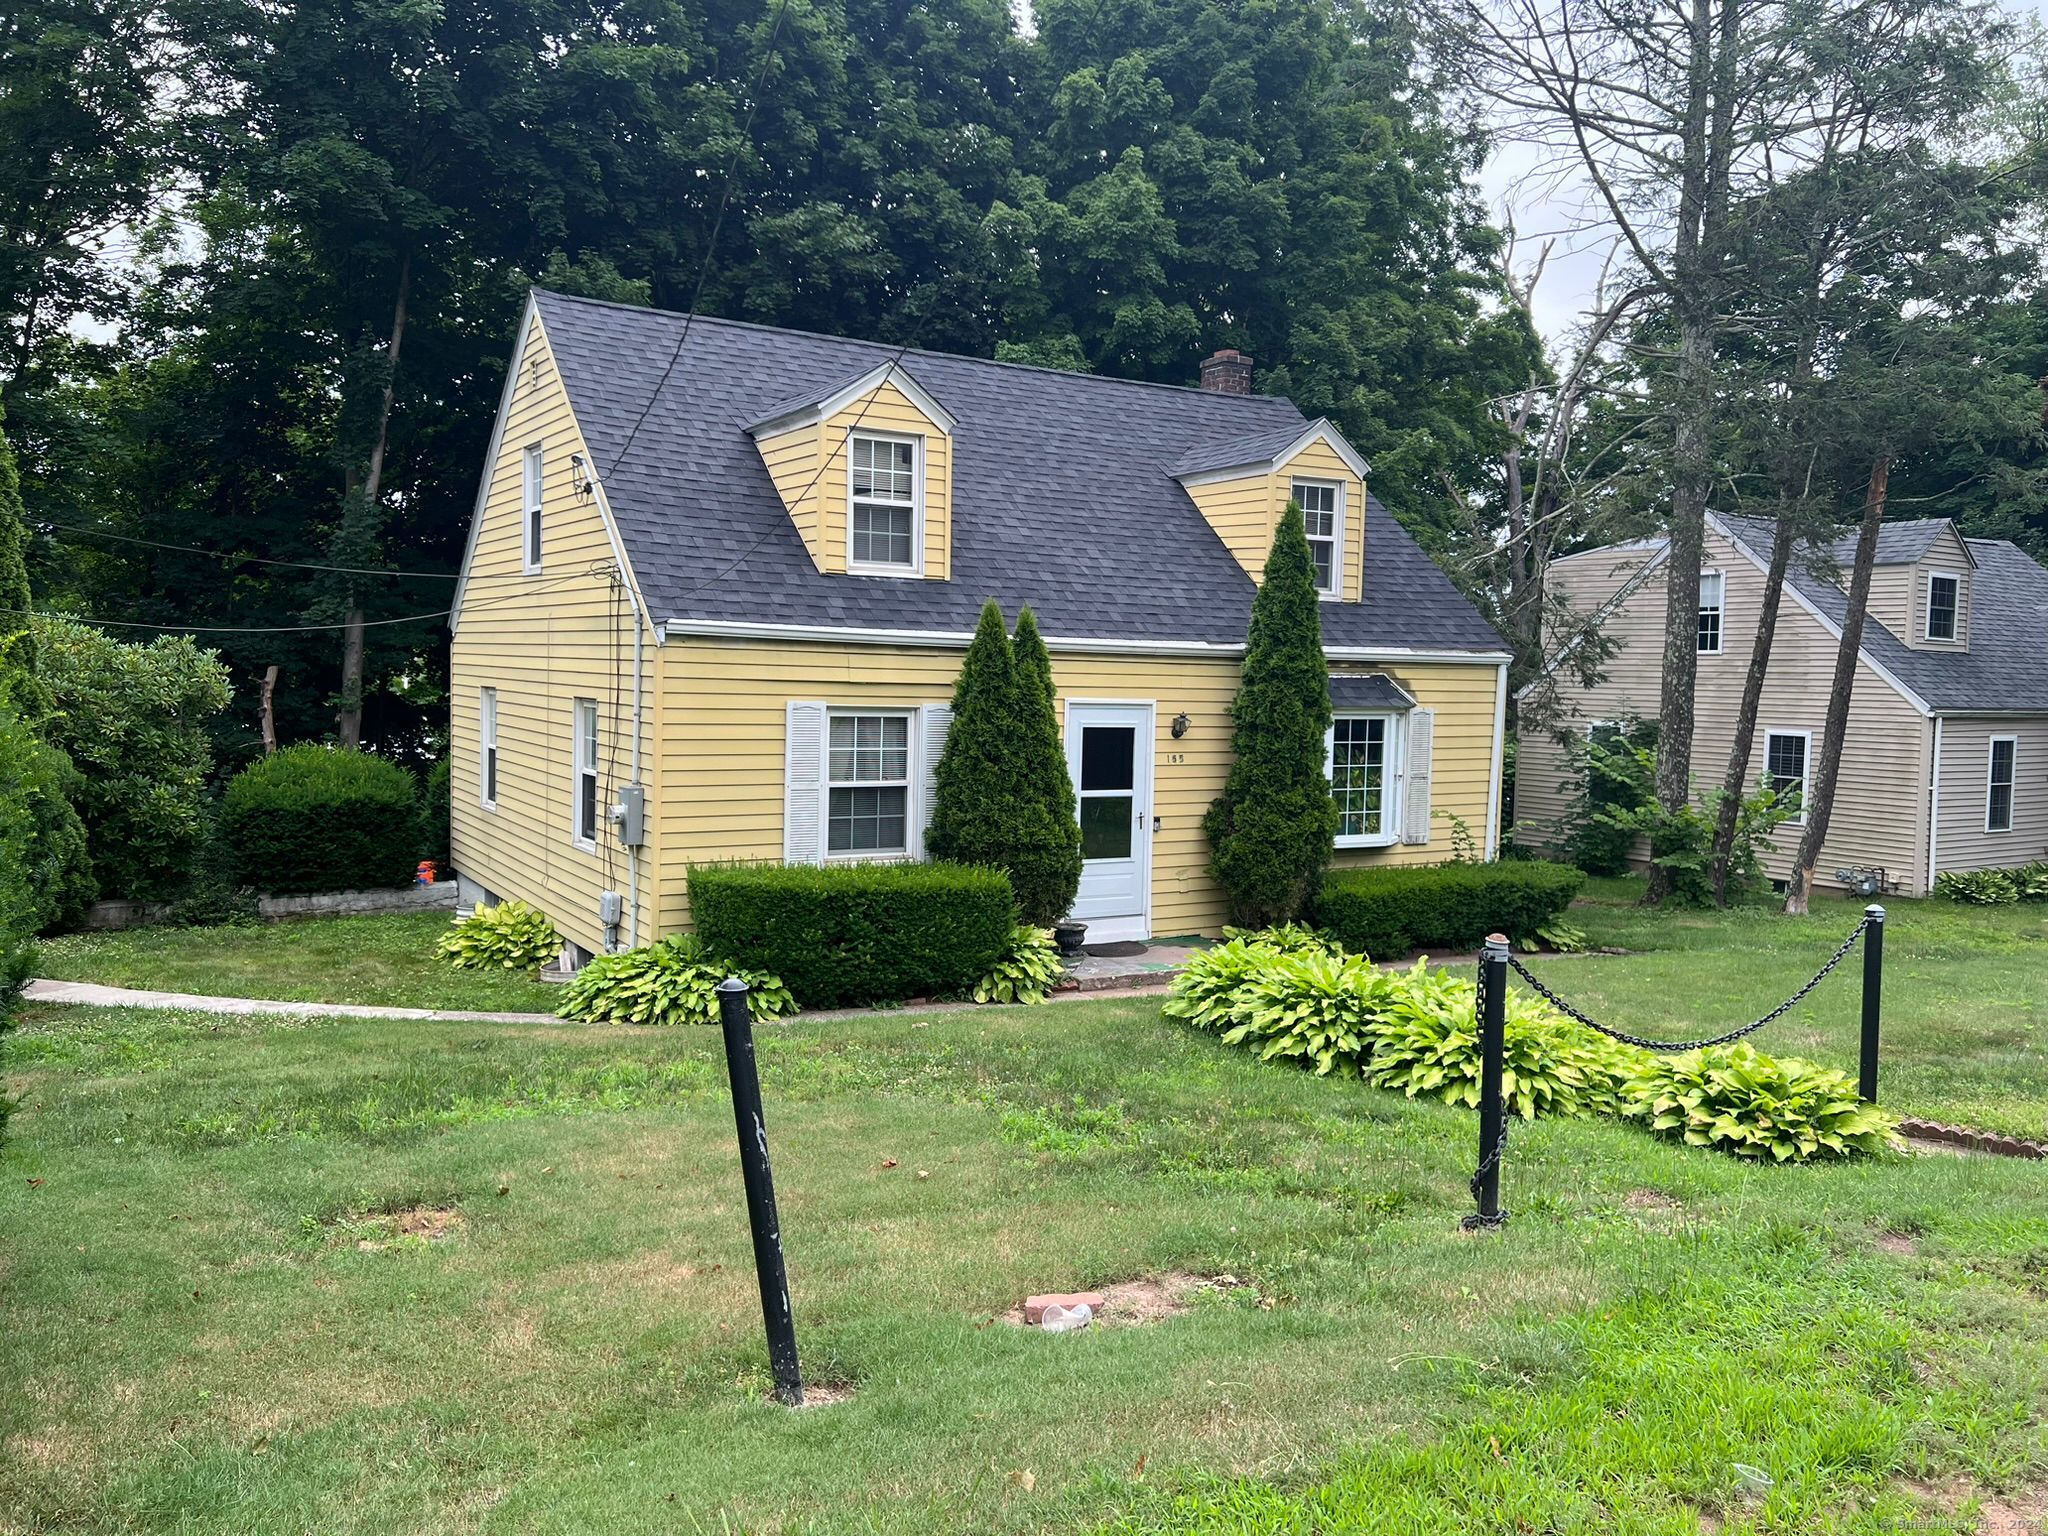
[865, 471]
[1243, 484]
[1920, 587]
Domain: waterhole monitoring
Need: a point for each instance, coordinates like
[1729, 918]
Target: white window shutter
[1415, 792]
[803, 785]
[935, 720]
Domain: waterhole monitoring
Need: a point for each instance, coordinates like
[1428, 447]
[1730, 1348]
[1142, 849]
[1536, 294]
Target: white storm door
[1109, 754]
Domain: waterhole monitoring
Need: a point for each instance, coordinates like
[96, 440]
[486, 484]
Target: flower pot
[1069, 936]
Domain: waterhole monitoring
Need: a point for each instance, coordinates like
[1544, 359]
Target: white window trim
[869, 568]
[1393, 772]
[487, 747]
[2012, 807]
[532, 508]
[578, 768]
[1805, 774]
[1927, 609]
[1333, 593]
[913, 745]
[1720, 612]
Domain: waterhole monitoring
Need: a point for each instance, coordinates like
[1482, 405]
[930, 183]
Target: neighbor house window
[487, 754]
[585, 807]
[867, 807]
[1785, 768]
[1322, 514]
[2005, 751]
[1944, 594]
[530, 496]
[1360, 765]
[1713, 586]
[884, 503]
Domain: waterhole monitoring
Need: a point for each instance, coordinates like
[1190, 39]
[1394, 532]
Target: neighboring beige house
[1945, 766]
[721, 578]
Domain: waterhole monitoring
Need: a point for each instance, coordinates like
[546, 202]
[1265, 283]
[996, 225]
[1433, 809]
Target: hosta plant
[1027, 971]
[510, 935]
[1425, 1040]
[1287, 939]
[674, 981]
[1979, 887]
[1738, 1099]
[1309, 1006]
[2032, 880]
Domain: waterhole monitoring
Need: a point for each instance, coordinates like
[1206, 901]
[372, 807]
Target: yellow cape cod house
[721, 577]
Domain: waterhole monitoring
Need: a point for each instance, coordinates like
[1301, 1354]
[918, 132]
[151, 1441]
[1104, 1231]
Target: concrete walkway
[93, 995]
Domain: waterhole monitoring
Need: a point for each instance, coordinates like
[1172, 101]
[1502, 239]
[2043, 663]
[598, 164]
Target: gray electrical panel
[629, 815]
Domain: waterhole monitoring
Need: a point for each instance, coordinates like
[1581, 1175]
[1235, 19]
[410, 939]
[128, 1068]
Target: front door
[1109, 754]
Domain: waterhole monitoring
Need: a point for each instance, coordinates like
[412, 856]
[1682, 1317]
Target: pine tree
[978, 769]
[1273, 827]
[1045, 865]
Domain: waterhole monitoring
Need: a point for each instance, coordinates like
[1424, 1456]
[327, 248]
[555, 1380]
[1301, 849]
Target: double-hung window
[883, 504]
[2005, 751]
[1944, 599]
[1322, 514]
[867, 777]
[531, 485]
[1713, 589]
[584, 805]
[1785, 768]
[487, 747]
[1362, 777]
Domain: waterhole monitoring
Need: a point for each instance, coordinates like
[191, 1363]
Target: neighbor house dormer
[1920, 586]
[1242, 485]
[865, 471]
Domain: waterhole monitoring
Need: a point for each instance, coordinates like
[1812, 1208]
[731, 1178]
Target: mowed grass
[225, 1310]
[1965, 1006]
[385, 960]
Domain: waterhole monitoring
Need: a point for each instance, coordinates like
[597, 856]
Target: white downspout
[1934, 811]
[640, 622]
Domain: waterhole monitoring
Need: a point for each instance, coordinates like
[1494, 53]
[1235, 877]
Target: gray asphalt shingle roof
[2006, 666]
[1062, 492]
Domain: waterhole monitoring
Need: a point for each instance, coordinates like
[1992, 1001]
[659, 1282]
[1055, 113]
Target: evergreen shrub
[841, 935]
[1392, 910]
[311, 818]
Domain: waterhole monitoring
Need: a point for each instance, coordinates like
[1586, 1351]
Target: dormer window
[1944, 599]
[1322, 513]
[883, 510]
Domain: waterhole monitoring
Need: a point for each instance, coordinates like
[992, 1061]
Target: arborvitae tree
[1045, 866]
[978, 771]
[17, 638]
[1274, 826]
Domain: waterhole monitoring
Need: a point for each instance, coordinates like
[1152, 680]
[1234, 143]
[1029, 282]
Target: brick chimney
[1228, 372]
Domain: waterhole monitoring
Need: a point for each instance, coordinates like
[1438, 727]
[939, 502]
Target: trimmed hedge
[1442, 906]
[314, 818]
[848, 934]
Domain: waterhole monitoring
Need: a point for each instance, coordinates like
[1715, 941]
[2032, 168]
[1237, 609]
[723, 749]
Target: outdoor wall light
[579, 474]
[1180, 725]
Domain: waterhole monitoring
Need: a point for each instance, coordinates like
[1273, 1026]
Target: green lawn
[214, 1323]
[385, 960]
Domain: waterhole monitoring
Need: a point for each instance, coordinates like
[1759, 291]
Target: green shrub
[1978, 887]
[2032, 880]
[314, 818]
[1753, 1105]
[674, 981]
[511, 936]
[1426, 1041]
[55, 863]
[1392, 910]
[1611, 769]
[846, 934]
[1317, 1008]
[1045, 864]
[1272, 829]
[435, 809]
[1027, 971]
[217, 897]
[134, 720]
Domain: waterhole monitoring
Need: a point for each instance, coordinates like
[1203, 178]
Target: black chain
[1694, 1045]
[1479, 1220]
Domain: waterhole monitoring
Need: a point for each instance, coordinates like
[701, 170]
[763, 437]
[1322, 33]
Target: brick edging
[1972, 1140]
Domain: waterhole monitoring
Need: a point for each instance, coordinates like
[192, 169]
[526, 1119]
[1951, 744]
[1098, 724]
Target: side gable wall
[542, 641]
[1880, 803]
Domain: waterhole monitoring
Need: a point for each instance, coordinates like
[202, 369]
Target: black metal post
[1493, 1015]
[1873, 1001]
[738, 1021]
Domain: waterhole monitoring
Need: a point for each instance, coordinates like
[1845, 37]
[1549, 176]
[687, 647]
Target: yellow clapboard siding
[1245, 510]
[1319, 461]
[542, 640]
[722, 727]
[792, 461]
